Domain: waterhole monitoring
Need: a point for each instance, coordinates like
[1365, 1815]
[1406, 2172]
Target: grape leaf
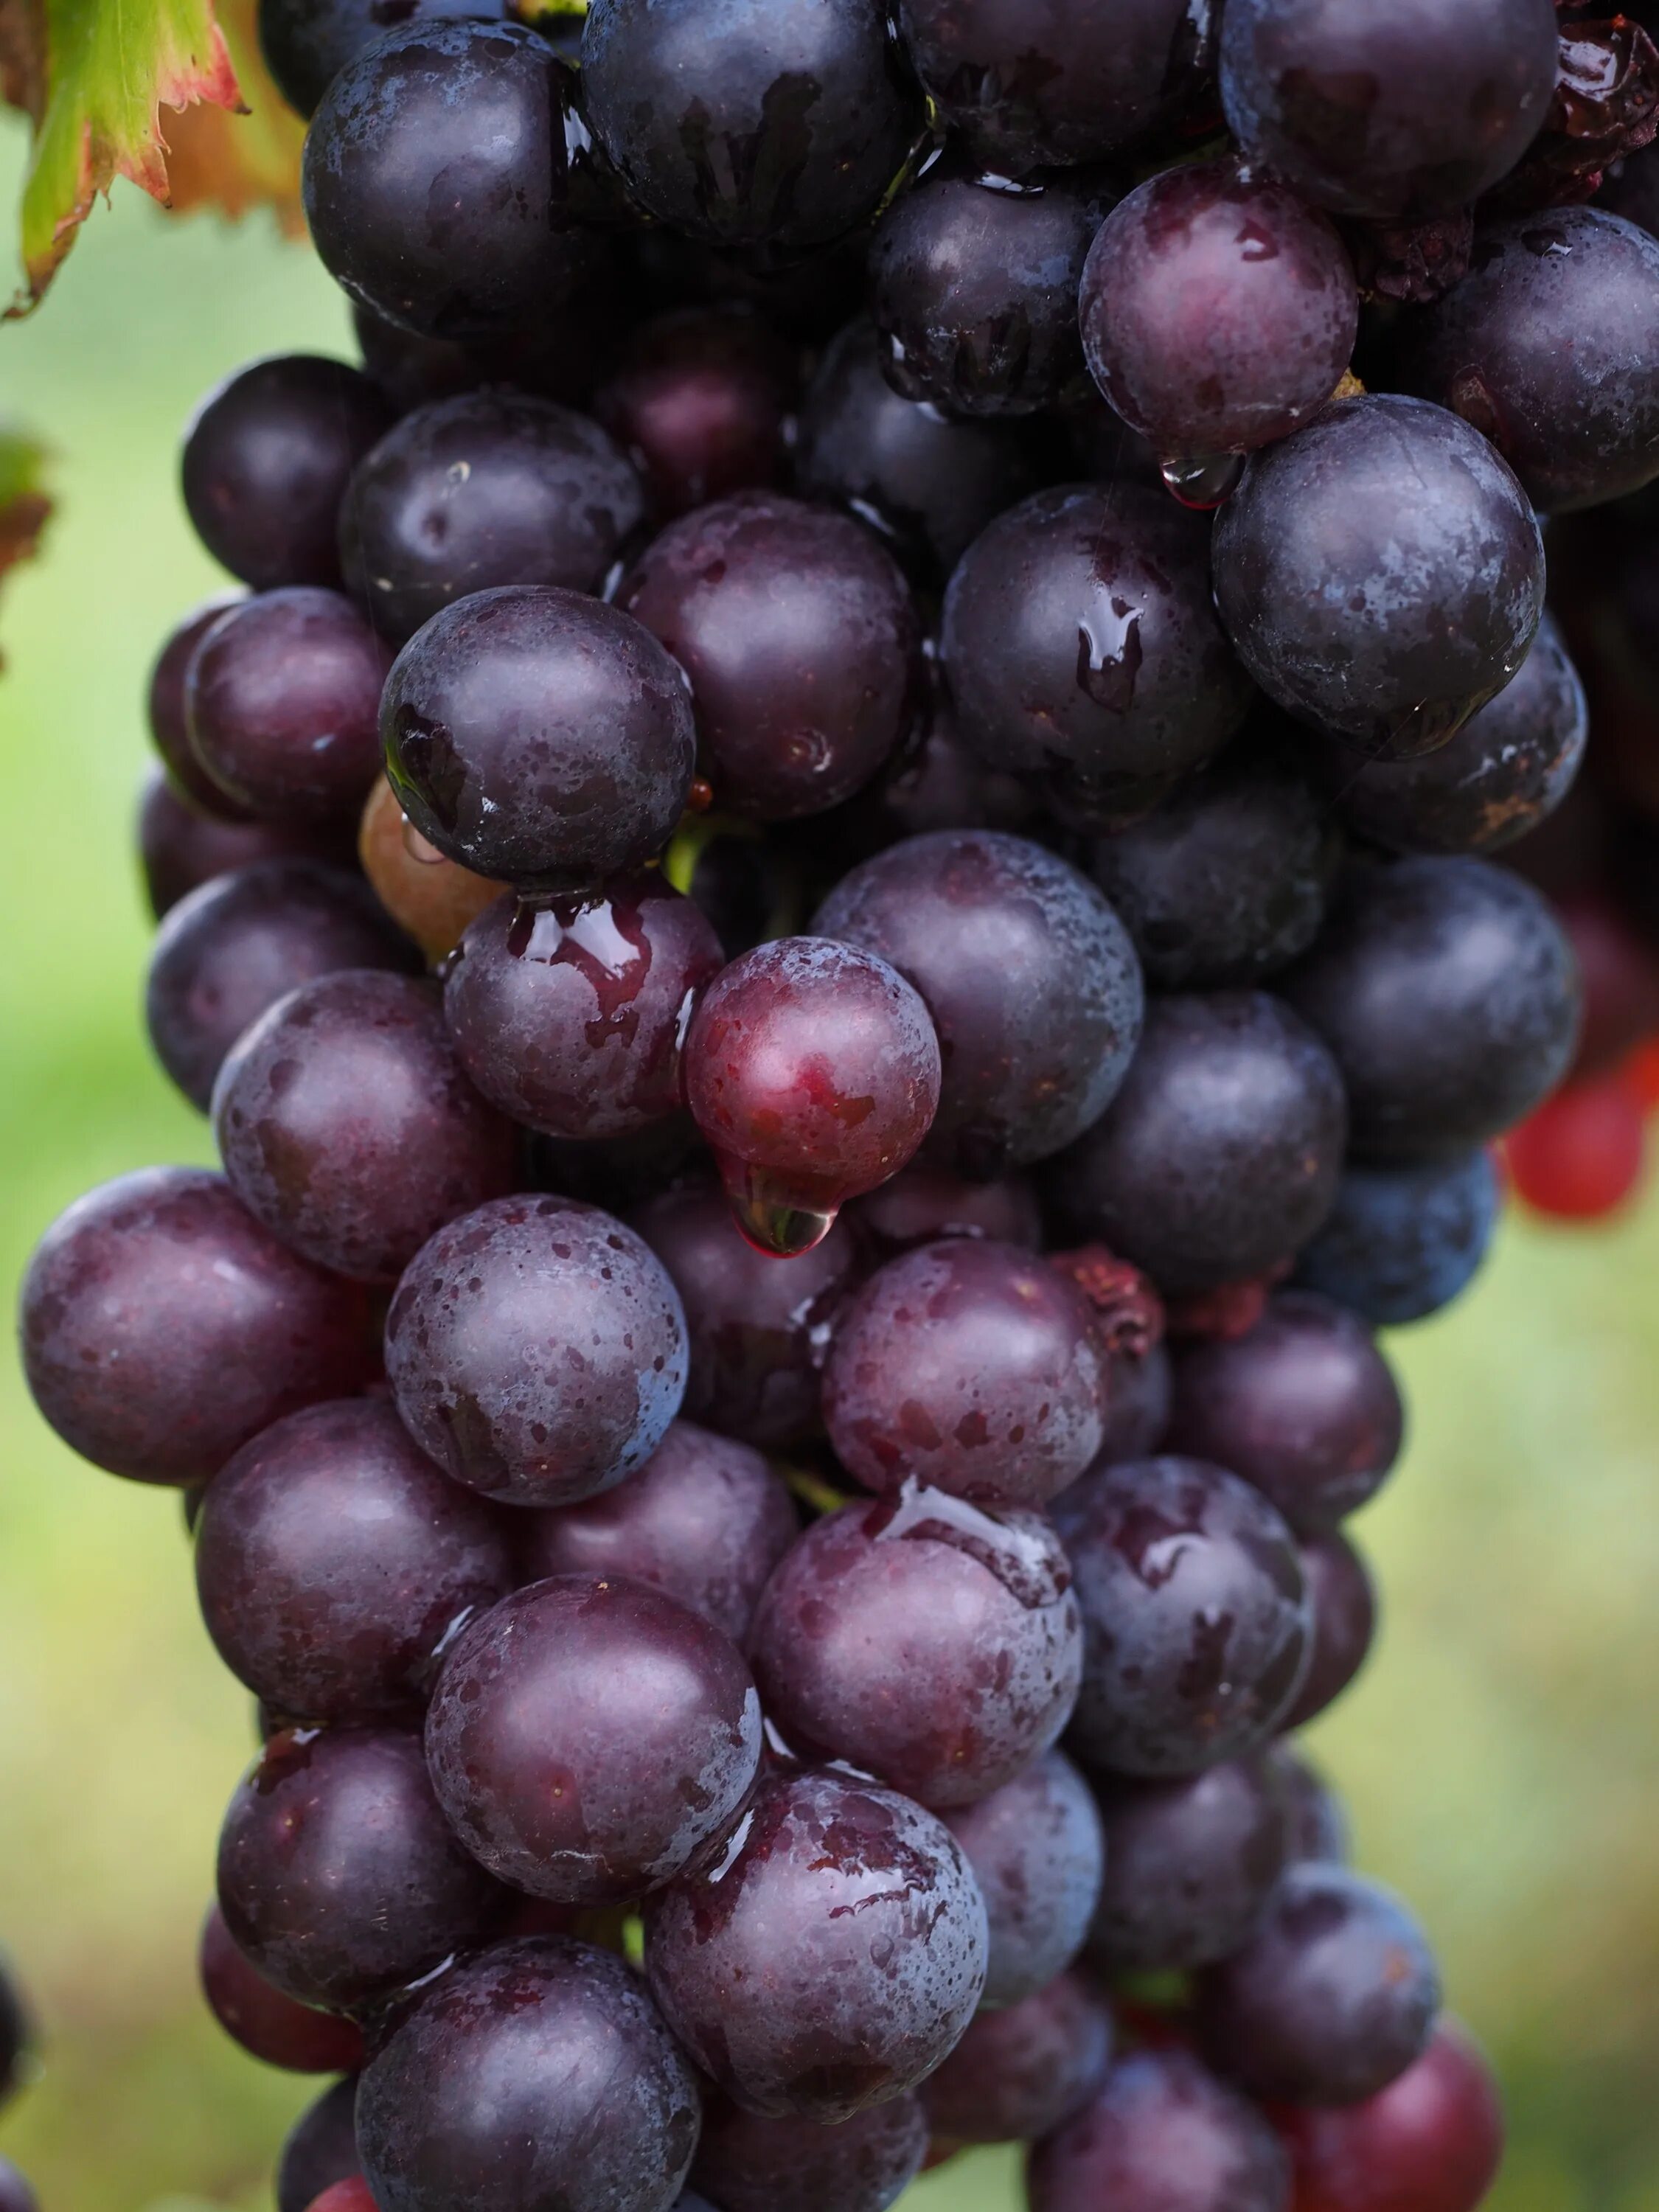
[220, 159]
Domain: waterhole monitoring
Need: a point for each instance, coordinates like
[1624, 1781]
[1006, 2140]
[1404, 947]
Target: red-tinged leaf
[236, 162]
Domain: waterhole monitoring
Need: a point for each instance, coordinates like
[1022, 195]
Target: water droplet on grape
[1205, 480]
[771, 1213]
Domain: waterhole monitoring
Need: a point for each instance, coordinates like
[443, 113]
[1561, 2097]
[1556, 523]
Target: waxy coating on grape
[1344, 1621]
[536, 2073]
[968, 1366]
[589, 1735]
[571, 1014]
[539, 736]
[336, 1564]
[1036, 1849]
[792, 2165]
[1431, 2142]
[1197, 1623]
[1162, 2132]
[831, 1960]
[537, 1350]
[813, 1070]
[1190, 1865]
[268, 2025]
[923, 1641]
[1401, 1243]
[1018, 2074]
[162, 1327]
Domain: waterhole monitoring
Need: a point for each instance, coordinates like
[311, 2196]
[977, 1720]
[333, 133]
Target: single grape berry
[1399, 1244]
[162, 1327]
[267, 2024]
[758, 1327]
[813, 1070]
[923, 1203]
[1318, 1826]
[1160, 2131]
[589, 1735]
[1219, 1156]
[180, 849]
[537, 737]
[703, 403]
[831, 1960]
[492, 487]
[705, 1521]
[1447, 991]
[536, 2073]
[1380, 574]
[168, 726]
[974, 288]
[968, 1366]
[1506, 771]
[1219, 310]
[339, 1877]
[792, 2164]
[797, 633]
[240, 941]
[266, 458]
[16, 2194]
[1431, 2142]
[537, 1350]
[1583, 1153]
[1332, 1998]
[571, 1014]
[437, 180]
[1190, 1865]
[1019, 2074]
[1037, 1849]
[307, 43]
[320, 2149]
[767, 127]
[1197, 1621]
[929, 484]
[1397, 112]
[431, 898]
[1027, 972]
[1080, 644]
[334, 1565]
[923, 1640]
[1344, 1621]
[1304, 1405]
[283, 701]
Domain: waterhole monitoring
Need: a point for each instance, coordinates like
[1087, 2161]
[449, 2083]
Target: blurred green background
[1501, 1754]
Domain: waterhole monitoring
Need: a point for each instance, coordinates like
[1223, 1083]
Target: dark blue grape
[1037, 1848]
[1161, 2135]
[1344, 1620]
[749, 2164]
[307, 43]
[1399, 1243]
[1019, 2073]
[1190, 1865]
[320, 2149]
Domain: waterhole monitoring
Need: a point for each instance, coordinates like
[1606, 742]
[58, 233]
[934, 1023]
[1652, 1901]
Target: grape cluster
[834, 894]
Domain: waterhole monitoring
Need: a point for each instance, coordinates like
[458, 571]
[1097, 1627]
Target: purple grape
[1037, 1848]
[1317, 1827]
[798, 636]
[489, 488]
[923, 1203]
[1081, 644]
[831, 1960]
[162, 1327]
[267, 2025]
[570, 1014]
[1395, 113]
[1331, 1999]
[588, 1737]
[1550, 348]
[1402, 1243]
[1059, 81]
[320, 2149]
[536, 2075]
[1344, 1621]
[169, 728]
[1197, 1622]
[338, 1878]
[928, 483]
[1161, 2135]
[1138, 1397]
[1227, 882]
[334, 1565]
[971, 1367]
[537, 1350]
[1448, 992]
[180, 849]
[347, 1126]
[763, 126]
[923, 1640]
[1018, 2074]
[1190, 1865]
[16, 2195]
[702, 404]
[307, 43]
[1380, 574]
[1029, 977]
[939, 785]
[265, 459]
[538, 738]
[974, 291]
[758, 1327]
[705, 1521]
[437, 180]
[1219, 310]
[792, 2165]
[243, 939]
[560, 361]
[1219, 1156]
[1506, 771]
[1304, 1405]
[282, 700]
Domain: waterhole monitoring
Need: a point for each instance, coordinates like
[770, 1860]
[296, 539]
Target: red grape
[270, 2026]
[1583, 1154]
[1430, 2142]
